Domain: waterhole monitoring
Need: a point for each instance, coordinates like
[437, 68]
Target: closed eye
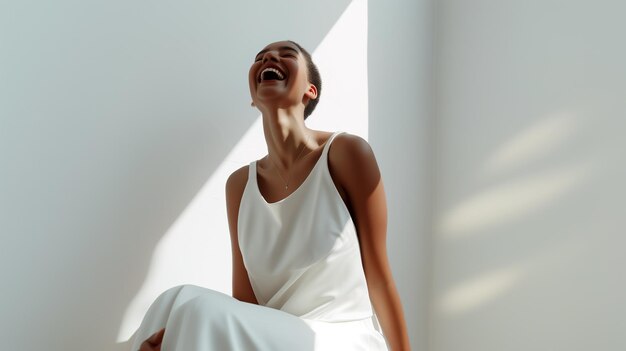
[292, 56]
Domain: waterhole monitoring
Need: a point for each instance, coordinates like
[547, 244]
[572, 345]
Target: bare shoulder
[236, 183]
[352, 162]
[349, 151]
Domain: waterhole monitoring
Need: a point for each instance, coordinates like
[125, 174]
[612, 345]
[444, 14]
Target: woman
[308, 230]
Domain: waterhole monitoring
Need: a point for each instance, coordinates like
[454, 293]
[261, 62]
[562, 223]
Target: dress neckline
[306, 180]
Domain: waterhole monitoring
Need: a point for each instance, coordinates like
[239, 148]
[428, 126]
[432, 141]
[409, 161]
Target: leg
[159, 312]
[201, 319]
[215, 321]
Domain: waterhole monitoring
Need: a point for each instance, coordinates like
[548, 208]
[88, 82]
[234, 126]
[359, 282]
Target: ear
[311, 93]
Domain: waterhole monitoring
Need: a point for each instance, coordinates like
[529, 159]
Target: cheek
[251, 72]
[301, 78]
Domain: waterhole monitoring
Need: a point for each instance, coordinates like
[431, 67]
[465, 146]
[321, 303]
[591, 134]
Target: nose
[269, 55]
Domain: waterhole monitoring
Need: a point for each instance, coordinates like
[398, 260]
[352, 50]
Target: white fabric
[303, 259]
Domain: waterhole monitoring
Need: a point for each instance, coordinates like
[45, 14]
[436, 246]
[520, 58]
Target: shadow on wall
[529, 230]
[495, 213]
[124, 124]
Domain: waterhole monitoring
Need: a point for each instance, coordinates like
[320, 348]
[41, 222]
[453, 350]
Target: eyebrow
[280, 48]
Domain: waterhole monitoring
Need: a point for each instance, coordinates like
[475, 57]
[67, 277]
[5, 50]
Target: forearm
[388, 307]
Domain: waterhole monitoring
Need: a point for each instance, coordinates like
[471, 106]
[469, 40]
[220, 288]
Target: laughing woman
[308, 234]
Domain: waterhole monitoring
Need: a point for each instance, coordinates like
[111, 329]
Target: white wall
[529, 213]
[400, 109]
[117, 120]
[185, 253]
[114, 115]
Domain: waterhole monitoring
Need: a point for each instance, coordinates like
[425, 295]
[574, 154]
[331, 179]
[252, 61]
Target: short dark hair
[314, 77]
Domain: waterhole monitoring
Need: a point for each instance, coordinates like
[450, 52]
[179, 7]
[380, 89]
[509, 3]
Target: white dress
[303, 259]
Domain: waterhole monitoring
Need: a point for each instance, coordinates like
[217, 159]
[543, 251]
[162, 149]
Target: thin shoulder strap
[252, 171]
[330, 140]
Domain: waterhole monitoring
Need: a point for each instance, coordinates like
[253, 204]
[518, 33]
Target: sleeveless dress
[303, 260]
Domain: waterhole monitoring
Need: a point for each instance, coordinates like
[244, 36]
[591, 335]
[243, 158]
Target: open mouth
[271, 74]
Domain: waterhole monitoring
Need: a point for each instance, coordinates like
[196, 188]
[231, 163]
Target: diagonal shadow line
[224, 133]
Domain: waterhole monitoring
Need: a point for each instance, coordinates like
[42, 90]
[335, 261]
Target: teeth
[280, 75]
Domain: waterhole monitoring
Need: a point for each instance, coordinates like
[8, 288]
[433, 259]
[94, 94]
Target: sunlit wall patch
[197, 243]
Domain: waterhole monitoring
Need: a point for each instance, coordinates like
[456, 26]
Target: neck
[286, 136]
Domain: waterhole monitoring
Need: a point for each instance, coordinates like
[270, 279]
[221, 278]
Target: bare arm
[242, 289]
[153, 343]
[356, 173]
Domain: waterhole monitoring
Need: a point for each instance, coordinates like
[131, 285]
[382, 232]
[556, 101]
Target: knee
[210, 303]
[183, 289]
[174, 293]
[170, 293]
[178, 288]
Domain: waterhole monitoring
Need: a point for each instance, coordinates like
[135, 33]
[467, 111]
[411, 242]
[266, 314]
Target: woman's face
[287, 87]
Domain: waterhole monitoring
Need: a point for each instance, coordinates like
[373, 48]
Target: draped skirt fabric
[200, 319]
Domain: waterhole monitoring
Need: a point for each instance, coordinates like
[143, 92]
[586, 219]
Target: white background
[120, 122]
[497, 126]
[528, 230]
